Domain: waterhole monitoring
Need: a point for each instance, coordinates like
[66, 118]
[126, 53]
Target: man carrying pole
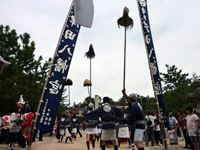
[136, 119]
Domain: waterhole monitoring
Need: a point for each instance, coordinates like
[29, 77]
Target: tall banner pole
[52, 92]
[153, 65]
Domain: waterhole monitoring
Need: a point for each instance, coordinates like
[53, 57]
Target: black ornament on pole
[90, 54]
[87, 83]
[126, 22]
[69, 83]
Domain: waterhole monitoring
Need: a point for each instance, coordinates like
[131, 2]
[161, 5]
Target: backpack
[149, 122]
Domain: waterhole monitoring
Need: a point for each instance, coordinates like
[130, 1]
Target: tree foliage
[25, 75]
[177, 85]
[174, 78]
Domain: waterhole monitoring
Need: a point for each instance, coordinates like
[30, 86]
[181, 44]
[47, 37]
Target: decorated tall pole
[126, 22]
[90, 54]
[69, 83]
[153, 65]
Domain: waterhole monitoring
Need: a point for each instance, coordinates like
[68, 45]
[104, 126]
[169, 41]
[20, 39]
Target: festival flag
[52, 92]
[84, 12]
[151, 55]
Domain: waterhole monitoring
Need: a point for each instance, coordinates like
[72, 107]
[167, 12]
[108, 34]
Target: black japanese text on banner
[52, 93]
[151, 56]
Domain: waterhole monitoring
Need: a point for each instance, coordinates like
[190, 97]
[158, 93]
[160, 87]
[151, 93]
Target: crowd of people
[185, 126]
[68, 126]
[15, 128]
[105, 122]
[106, 126]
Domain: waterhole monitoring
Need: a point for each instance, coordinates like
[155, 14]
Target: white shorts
[74, 130]
[62, 132]
[108, 135]
[123, 132]
[67, 134]
[138, 135]
[91, 130]
[98, 131]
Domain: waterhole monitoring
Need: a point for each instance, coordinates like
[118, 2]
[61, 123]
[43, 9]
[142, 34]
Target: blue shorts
[194, 139]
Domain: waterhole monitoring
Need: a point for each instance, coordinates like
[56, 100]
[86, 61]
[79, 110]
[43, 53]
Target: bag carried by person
[149, 122]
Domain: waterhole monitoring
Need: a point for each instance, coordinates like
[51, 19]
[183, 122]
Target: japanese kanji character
[73, 22]
[147, 39]
[55, 87]
[69, 35]
[157, 89]
[154, 69]
[143, 3]
[61, 65]
[146, 26]
[63, 49]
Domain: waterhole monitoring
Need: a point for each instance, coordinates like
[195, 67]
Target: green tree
[177, 85]
[25, 75]
[87, 101]
[174, 78]
[121, 102]
[148, 103]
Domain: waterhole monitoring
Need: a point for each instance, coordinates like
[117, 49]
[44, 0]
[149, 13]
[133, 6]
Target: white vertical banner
[84, 12]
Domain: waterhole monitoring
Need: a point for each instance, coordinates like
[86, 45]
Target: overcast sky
[175, 28]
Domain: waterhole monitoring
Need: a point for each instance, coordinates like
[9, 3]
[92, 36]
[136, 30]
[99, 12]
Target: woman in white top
[193, 127]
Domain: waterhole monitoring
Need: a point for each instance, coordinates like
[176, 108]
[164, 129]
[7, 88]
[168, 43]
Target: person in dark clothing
[109, 115]
[131, 139]
[136, 118]
[4, 136]
[41, 133]
[157, 132]
[75, 125]
[62, 127]
[14, 129]
[68, 128]
[91, 124]
[58, 128]
[78, 129]
[150, 129]
[123, 131]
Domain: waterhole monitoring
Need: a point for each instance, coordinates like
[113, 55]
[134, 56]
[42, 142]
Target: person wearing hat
[91, 124]
[193, 125]
[62, 127]
[109, 116]
[136, 120]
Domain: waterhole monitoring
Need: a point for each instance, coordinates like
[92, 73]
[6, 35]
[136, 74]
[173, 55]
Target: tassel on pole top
[126, 22]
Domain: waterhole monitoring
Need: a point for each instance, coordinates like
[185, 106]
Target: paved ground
[51, 143]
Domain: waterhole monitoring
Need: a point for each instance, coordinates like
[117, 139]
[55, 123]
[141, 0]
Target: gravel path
[51, 143]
